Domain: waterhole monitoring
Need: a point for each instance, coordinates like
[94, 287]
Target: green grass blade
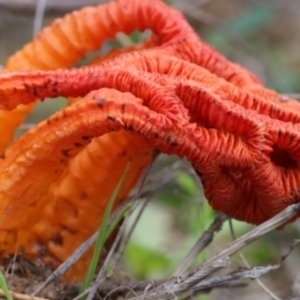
[117, 220]
[4, 287]
[103, 233]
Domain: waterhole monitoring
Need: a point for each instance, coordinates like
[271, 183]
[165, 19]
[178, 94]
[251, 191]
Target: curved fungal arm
[54, 142]
[70, 38]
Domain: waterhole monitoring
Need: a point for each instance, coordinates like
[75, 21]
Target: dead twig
[205, 239]
[292, 247]
[109, 287]
[39, 16]
[192, 279]
[253, 273]
[258, 280]
[29, 6]
[295, 96]
[175, 286]
[167, 292]
[19, 296]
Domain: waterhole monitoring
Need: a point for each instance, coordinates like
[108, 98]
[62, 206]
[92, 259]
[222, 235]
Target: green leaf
[187, 183]
[146, 263]
[248, 23]
[4, 287]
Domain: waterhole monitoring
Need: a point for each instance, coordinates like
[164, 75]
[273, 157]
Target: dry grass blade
[52, 5]
[249, 237]
[182, 284]
[293, 95]
[248, 274]
[108, 288]
[259, 282]
[204, 241]
[39, 16]
[26, 126]
[19, 296]
[292, 247]
[173, 287]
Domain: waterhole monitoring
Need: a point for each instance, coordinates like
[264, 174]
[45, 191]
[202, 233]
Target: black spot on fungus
[78, 145]
[54, 117]
[232, 75]
[111, 118]
[25, 85]
[123, 108]
[171, 142]
[128, 127]
[83, 196]
[69, 230]
[55, 84]
[65, 152]
[123, 153]
[2, 156]
[57, 240]
[64, 114]
[86, 137]
[155, 153]
[34, 91]
[101, 102]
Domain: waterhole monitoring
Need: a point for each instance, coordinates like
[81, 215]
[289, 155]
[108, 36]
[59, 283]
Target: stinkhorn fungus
[172, 94]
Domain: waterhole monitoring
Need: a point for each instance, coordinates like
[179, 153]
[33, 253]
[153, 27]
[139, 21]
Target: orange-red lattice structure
[173, 94]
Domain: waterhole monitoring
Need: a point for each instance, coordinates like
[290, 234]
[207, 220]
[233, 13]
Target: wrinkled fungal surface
[172, 94]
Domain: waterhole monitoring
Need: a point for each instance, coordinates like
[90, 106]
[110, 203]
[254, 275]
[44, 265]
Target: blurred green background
[264, 37]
